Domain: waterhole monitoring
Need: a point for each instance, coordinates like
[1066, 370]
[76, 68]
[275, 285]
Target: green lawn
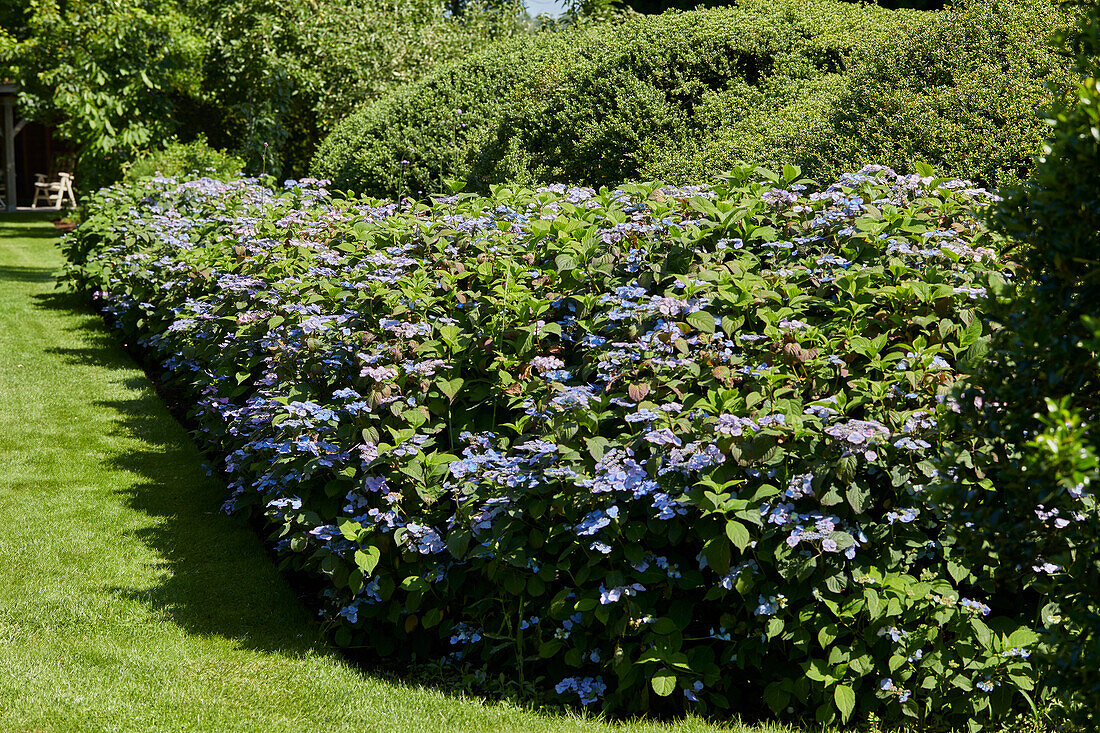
[127, 601]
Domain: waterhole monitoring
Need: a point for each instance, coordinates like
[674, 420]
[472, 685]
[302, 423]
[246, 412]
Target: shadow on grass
[15, 226]
[220, 581]
[25, 233]
[100, 349]
[25, 274]
[17, 218]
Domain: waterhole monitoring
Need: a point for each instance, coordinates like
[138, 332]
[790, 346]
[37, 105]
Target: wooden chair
[54, 192]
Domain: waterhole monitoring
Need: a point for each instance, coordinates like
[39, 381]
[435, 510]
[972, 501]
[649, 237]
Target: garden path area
[128, 602]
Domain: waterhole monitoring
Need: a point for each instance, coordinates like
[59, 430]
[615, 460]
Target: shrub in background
[1025, 478]
[597, 104]
[195, 159]
[411, 140]
[653, 85]
[660, 6]
[656, 448]
[824, 84]
[962, 90]
[958, 89]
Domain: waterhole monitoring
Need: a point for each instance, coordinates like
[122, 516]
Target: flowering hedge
[645, 448]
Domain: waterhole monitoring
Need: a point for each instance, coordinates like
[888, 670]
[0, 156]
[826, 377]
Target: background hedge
[962, 91]
[653, 7]
[594, 104]
[823, 84]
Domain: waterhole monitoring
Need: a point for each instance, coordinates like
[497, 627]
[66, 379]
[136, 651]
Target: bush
[411, 139]
[824, 84]
[960, 91]
[654, 448]
[194, 159]
[659, 6]
[1027, 472]
[598, 104]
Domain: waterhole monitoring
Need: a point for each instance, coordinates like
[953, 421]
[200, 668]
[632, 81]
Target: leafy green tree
[13, 18]
[108, 73]
[264, 78]
[281, 74]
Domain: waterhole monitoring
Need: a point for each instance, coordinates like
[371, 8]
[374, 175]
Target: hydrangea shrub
[649, 448]
[185, 159]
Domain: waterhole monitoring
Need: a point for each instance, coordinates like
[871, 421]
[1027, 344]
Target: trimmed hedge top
[825, 84]
[594, 103]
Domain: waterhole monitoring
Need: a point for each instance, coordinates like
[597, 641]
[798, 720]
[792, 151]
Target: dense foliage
[824, 84]
[1029, 479]
[597, 103]
[181, 160]
[13, 18]
[280, 74]
[265, 79]
[961, 90]
[649, 448]
[117, 89]
[660, 6]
